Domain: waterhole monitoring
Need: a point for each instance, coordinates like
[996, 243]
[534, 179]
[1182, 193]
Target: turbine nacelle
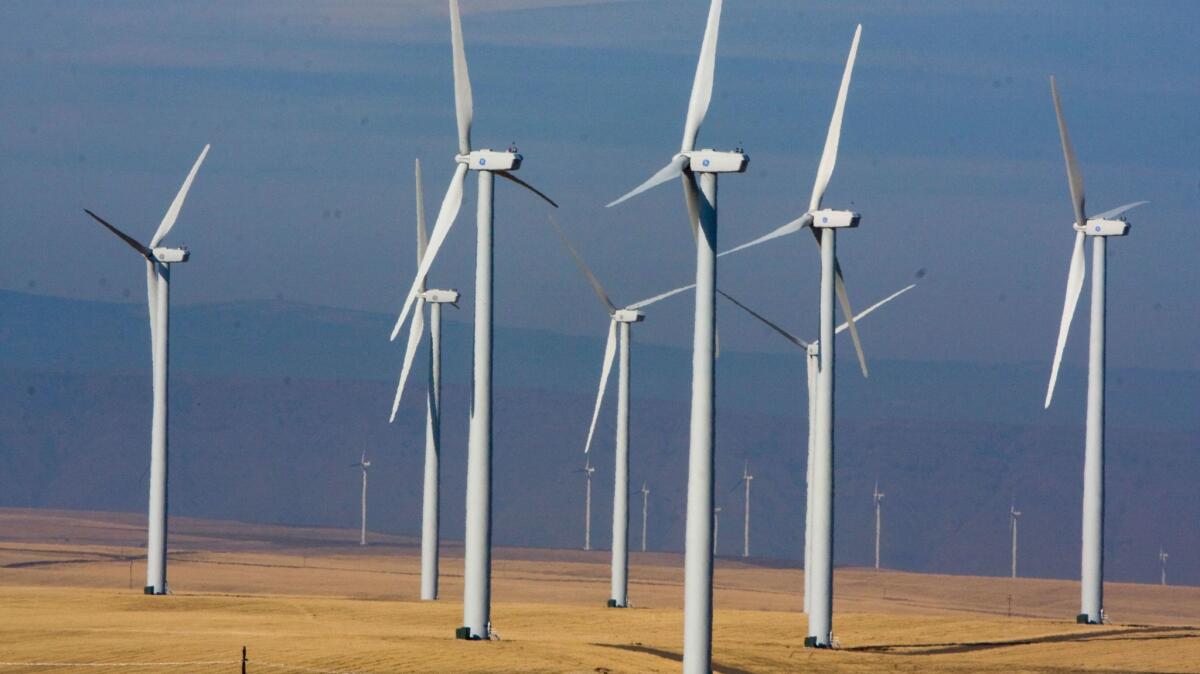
[440, 296]
[827, 218]
[171, 255]
[716, 161]
[490, 160]
[628, 316]
[1104, 227]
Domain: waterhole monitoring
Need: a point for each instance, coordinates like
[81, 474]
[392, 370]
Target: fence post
[243, 660]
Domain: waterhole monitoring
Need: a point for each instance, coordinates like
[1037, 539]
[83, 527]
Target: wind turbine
[587, 470]
[746, 478]
[645, 504]
[363, 464]
[878, 497]
[1013, 516]
[1100, 227]
[477, 554]
[716, 528]
[825, 223]
[813, 352]
[431, 504]
[701, 204]
[1162, 560]
[620, 321]
[158, 298]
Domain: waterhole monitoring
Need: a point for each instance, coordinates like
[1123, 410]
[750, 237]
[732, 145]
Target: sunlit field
[308, 599]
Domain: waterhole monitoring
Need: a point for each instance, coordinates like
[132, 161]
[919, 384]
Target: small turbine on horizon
[746, 478]
[1099, 228]
[1013, 516]
[1162, 560]
[716, 528]
[878, 499]
[158, 277]
[645, 505]
[363, 465]
[587, 471]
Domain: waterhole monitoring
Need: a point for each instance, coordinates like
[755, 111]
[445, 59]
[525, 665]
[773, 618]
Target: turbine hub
[440, 296]
[827, 218]
[628, 316]
[490, 160]
[1104, 227]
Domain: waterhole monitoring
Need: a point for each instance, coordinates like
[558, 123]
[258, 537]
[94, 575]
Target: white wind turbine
[645, 506]
[813, 352]
[746, 478]
[618, 342]
[587, 471]
[701, 204]
[158, 278]
[1013, 516]
[716, 528]
[363, 465]
[1099, 227]
[431, 503]
[1162, 560]
[824, 224]
[477, 554]
[878, 499]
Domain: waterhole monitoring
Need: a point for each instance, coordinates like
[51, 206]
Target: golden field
[312, 600]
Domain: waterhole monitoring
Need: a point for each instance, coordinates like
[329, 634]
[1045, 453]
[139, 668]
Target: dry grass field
[312, 600]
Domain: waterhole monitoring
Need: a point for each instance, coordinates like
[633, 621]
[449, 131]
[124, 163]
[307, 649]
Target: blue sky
[315, 111]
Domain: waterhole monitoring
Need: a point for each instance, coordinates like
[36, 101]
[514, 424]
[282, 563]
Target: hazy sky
[316, 109]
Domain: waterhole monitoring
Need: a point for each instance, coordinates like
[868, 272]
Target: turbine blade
[1120, 210]
[848, 312]
[1075, 276]
[449, 211]
[786, 335]
[168, 220]
[134, 243]
[1074, 176]
[702, 85]
[829, 155]
[152, 305]
[415, 331]
[863, 314]
[672, 170]
[464, 106]
[422, 232]
[662, 296]
[610, 350]
[522, 183]
[591, 278]
[691, 199]
[793, 226]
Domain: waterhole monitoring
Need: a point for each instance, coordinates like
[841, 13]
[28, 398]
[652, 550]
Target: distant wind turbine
[645, 505]
[746, 478]
[1099, 227]
[1013, 516]
[813, 351]
[158, 277]
[363, 465]
[431, 499]
[878, 497]
[587, 471]
[716, 528]
[1162, 560]
[477, 536]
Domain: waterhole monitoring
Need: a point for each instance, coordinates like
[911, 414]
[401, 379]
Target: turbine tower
[1013, 516]
[363, 465]
[1099, 227]
[824, 223]
[431, 503]
[746, 477]
[812, 351]
[477, 554]
[701, 204]
[1162, 560]
[878, 497]
[645, 504]
[158, 278]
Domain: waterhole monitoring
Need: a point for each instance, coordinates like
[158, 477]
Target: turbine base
[1084, 619]
[464, 633]
[811, 642]
[613, 603]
